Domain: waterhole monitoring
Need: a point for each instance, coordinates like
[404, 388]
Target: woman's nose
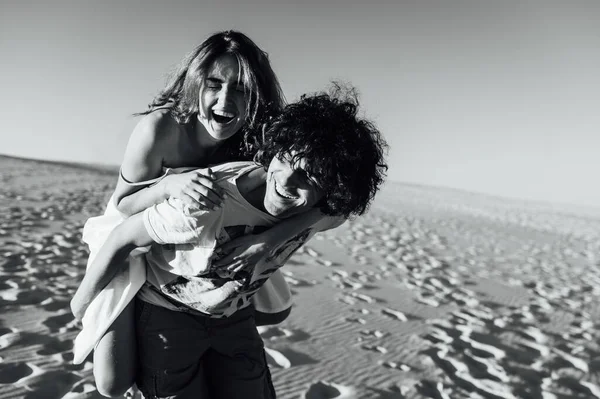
[224, 95]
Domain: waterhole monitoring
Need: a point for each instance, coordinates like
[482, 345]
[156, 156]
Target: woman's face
[222, 103]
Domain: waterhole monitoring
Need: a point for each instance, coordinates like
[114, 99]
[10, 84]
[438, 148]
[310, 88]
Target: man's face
[289, 189]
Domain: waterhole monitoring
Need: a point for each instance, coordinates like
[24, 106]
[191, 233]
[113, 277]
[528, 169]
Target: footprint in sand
[326, 263]
[80, 390]
[48, 384]
[594, 365]
[365, 298]
[53, 304]
[273, 333]
[311, 252]
[286, 358]
[427, 300]
[432, 389]
[66, 358]
[25, 296]
[486, 388]
[58, 322]
[55, 347]
[486, 368]
[358, 320]
[348, 300]
[13, 372]
[349, 283]
[394, 314]
[395, 365]
[461, 375]
[573, 361]
[375, 348]
[9, 336]
[329, 390]
[13, 263]
[373, 333]
[6, 282]
[589, 389]
[298, 282]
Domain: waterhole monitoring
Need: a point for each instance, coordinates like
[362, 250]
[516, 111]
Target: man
[195, 327]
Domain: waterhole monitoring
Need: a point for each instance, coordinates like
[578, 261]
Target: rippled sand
[435, 293]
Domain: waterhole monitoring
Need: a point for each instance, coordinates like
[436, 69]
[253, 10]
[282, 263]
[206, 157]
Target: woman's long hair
[261, 86]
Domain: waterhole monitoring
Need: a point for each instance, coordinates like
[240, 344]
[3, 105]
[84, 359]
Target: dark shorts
[183, 355]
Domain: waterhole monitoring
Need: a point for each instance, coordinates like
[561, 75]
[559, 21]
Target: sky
[495, 97]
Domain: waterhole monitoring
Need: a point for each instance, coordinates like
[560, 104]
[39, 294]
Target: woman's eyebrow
[217, 80]
[213, 79]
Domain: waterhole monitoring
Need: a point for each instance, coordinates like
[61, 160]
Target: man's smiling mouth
[281, 192]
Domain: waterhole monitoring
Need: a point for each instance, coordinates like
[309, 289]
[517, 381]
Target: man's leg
[171, 346]
[236, 365]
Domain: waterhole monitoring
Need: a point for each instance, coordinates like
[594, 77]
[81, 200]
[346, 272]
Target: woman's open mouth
[222, 117]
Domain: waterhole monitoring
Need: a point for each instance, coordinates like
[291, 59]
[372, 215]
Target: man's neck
[252, 186]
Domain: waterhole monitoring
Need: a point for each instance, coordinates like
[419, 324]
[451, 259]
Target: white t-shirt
[179, 267]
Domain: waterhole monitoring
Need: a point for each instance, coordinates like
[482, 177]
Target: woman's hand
[246, 252]
[195, 188]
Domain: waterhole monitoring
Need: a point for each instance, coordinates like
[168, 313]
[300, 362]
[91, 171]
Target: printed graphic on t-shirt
[221, 292]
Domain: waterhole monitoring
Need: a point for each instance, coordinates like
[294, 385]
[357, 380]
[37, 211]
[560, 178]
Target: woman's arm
[110, 259]
[155, 138]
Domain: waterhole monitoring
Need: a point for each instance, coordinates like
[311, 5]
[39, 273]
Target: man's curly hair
[343, 152]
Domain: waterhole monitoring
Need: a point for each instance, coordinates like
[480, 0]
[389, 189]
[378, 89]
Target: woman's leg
[115, 358]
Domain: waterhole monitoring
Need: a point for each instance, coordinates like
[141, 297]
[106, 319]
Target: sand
[435, 293]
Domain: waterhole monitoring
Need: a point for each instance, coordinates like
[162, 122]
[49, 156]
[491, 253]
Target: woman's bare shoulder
[158, 126]
[153, 140]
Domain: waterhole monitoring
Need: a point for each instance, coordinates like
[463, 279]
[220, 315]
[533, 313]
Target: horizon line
[106, 168]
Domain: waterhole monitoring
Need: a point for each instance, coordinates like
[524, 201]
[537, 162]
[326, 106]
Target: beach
[434, 293]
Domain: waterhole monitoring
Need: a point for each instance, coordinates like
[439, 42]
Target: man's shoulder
[228, 175]
[229, 170]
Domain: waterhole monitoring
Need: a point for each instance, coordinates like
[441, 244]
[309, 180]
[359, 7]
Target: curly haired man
[195, 326]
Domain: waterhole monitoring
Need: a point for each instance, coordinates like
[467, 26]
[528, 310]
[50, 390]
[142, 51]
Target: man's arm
[112, 256]
[250, 249]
